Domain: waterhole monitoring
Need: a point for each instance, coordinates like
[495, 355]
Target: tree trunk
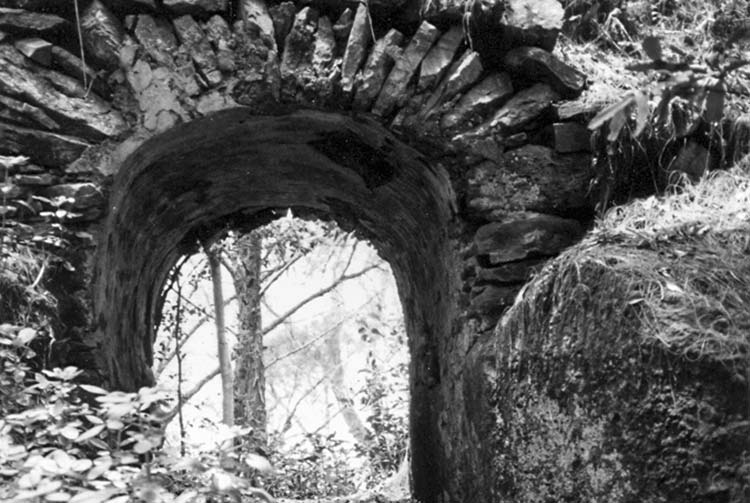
[250, 401]
[225, 363]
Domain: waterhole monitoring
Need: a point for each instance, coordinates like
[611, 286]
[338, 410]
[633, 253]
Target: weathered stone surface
[575, 110]
[13, 110]
[325, 45]
[255, 13]
[532, 22]
[157, 100]
[394, 87]
[192, 37]
[37, 180]
[379, 64]
[343, 27]
[528, 236]
[103, 35]
[300, 43]
[491, 300]
[282, 16]
[84, 195]
[72, 66]
[217, 31]
[439, 58]
[46, 6]
[478, 102]
[571, 137]
[532, 178]
[537, 64]
[36, 49]
[356, 47]
[158, 38]
[91, 117]
[195, 7]
[522, 109]
[46, 148]
[463, 74]
[512, 273]
[29, 24]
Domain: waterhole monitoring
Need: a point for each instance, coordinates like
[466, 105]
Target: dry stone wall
[464, 116]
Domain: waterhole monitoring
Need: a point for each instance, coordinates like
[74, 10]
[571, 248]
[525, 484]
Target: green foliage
[66, 442]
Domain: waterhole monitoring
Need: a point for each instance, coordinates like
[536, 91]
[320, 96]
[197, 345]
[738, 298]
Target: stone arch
[226, 169]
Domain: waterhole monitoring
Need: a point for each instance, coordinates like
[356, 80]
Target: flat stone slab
[539, 65]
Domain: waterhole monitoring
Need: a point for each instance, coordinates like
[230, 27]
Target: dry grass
[673, 271]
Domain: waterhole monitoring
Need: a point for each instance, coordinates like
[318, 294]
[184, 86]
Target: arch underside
[228, 170]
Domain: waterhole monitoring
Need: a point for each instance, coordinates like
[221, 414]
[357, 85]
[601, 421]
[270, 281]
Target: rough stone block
[532, 178]
[463, 74]
[356, 47]
[194, 39]
[299, 44]
[491, 300]
[32, 24]
[478, 102]
[22, 79]
[157, 37]
[43, 147]
[539, 65]
[282, 16]
[103, 35]
[255, 13]
[23, 113]
[519, 111]
[439, 58]
[36, 49]
[512, 273]
[37, 180]
[343, 27]
[527, 236]
[84, 195]
[378, 65]
[325, 46]
[195, 7]
[392, 92]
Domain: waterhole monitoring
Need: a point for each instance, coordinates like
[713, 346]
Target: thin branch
[186, 397]
[306, 344]
[346, 277]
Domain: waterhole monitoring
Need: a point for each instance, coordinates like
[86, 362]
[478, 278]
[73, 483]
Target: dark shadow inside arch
[228, 170]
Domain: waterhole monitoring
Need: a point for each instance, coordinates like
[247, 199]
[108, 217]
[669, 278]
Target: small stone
[40, 180]
[528, 236]
[571, 137]
[576, 110]
[195, 7]
[439, 58]
[539, 65]
[103, 35]
[35, 49]
[217, 31]
[393, 91]
[478, 102]
[282, 16]
[158, 38]
[343, 27]
[30, 24]
[46, 148]
[512, 273]
[192, 37]
[299, 44]
[84, 195]
[23, 113]
[356, 47]
[379, 64]
[255, 13]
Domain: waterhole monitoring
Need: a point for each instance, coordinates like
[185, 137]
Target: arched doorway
[228, 170]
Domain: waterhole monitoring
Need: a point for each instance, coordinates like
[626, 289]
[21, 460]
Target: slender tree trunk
[225, 362]
[250, 399]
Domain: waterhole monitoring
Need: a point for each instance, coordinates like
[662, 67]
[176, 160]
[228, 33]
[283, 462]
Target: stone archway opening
[229, 170]
[319, 357]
